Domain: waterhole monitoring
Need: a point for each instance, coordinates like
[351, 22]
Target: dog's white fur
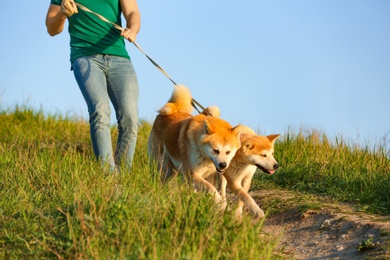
[256, 152]
[199, 146]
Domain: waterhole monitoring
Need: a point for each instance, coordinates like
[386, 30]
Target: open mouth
[220, 170]
[265, 170]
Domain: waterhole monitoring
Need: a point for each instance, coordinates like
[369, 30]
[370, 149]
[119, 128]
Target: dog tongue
[271, 172]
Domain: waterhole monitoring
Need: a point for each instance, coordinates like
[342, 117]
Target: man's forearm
[55, 20]
[133, 22]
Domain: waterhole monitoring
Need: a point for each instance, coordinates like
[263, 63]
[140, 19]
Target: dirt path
[312, 228]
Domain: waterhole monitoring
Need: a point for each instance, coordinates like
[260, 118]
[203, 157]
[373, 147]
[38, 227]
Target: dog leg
[239, 209]
[159, 155]
[169, 169]
[248, 200]
[245, 198]
[211, 189]
[223, 187]
[250, 203]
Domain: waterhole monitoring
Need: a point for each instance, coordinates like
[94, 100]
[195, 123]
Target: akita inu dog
[256, 152]
[198, 145]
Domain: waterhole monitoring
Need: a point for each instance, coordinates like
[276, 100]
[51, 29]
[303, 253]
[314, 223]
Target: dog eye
[228, 152]
[263, 155]
[216, 151]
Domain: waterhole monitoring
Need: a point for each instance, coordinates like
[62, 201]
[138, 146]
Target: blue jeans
[101, 79]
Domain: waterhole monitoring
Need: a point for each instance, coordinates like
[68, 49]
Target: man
[103, 70]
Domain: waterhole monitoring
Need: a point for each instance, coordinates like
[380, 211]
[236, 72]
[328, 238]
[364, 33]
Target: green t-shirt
[89, 35]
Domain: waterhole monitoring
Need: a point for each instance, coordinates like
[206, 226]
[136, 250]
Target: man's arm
[55, 20]
[133, 18]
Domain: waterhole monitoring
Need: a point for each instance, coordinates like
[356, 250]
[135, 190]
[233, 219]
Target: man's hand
[129, 35]
[68, 7]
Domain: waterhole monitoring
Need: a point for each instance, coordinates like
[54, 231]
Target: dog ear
[237, 131]
[272, 138]
[249, 145]
[209, 129]
[245, 129]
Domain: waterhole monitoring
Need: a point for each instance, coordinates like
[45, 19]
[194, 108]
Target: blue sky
[271, 65]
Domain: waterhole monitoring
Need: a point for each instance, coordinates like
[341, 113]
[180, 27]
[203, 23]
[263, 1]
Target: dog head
[220, 142]
[258, 150]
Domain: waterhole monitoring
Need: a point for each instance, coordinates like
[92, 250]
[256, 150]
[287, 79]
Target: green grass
[56, 202]
[311, 163]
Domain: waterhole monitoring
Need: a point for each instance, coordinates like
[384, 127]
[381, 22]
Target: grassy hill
[56, 202]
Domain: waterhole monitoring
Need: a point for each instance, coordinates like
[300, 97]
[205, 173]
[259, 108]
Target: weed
[366, 244]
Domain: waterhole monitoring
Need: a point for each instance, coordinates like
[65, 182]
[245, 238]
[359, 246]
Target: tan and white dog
[198, 145]
[256, 152]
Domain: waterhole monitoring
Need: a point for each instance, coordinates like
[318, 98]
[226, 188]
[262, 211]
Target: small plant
[366, 244]
[384, 232]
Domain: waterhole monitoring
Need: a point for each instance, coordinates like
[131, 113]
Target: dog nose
[222, 165]
[276, 166]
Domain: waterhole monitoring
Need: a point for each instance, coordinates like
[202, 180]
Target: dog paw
[223, 206]
[259, 214]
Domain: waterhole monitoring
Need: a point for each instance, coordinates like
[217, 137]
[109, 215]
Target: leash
[194, 103]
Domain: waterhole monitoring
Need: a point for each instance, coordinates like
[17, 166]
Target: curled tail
[180, 102]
